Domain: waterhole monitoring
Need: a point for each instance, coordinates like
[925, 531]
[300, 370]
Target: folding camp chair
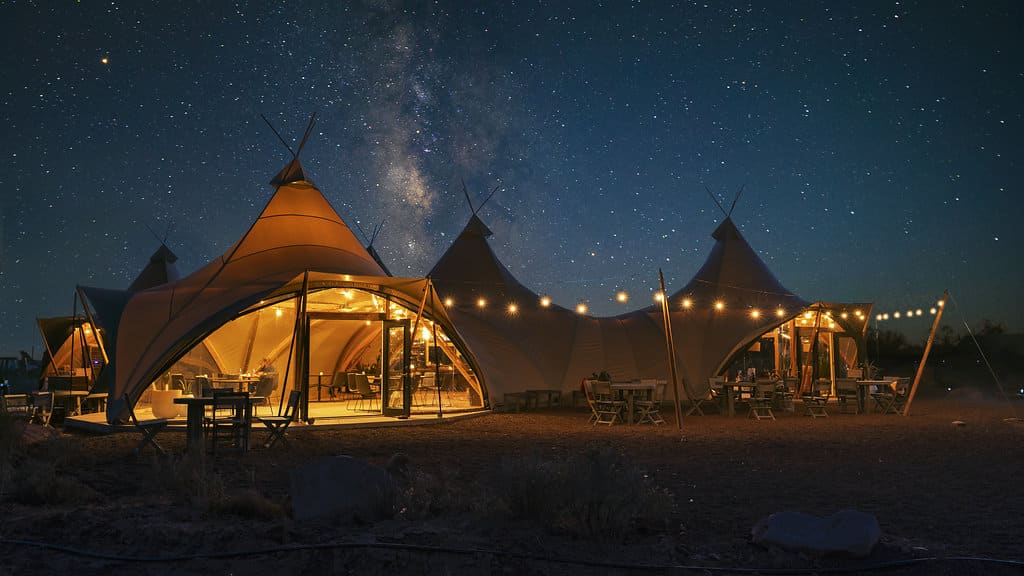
[148, 428]
[761, 401]
[892, 398]
[816, 399]
[649, 411]
[710, 399]
[846, 394]
[42, 408]
[278, 425]
[603, 411]
[16, 405]
[232, 413]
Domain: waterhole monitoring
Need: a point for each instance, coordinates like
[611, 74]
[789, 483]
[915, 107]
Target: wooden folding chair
[148, 428]
[761, 401]
[42, 408]
[649, 411]
[816, 400]
[231, 413]
[278, 425]
[603, 411]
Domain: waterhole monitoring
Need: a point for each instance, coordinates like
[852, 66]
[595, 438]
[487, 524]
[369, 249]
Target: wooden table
[630, 390]
[863, 390]
[194, 417]
[240, 384]
[730, 389]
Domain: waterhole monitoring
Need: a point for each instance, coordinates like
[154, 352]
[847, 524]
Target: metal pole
[927, 349]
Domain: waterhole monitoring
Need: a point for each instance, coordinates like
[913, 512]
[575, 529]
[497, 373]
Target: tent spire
[465, 193]
[734, 200]
[715, 200]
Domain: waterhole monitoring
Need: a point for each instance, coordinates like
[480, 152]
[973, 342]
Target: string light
[659, 296]
[755, 313]
[719, 305]
[780, 312]
[448, 302]
[581, 308]
[480, 303]
[687, 303]
[622, 297]
[545, 301]
[512, 308]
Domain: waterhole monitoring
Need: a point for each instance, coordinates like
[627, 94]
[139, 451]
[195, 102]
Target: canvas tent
[520, 343]
[729, 303]
[72, 342]
[295, 254]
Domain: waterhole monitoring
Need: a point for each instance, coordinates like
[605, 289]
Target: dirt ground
[937, 490]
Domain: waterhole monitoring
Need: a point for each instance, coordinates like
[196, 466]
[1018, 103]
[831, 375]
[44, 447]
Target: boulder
[848, 532]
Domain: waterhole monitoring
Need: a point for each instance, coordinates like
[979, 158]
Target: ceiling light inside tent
[278, 312]
[808, 314]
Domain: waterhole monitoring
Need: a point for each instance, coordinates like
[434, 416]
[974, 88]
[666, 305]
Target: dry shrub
[595, 494]
[188, 480]
[248, 503]
[44, 473]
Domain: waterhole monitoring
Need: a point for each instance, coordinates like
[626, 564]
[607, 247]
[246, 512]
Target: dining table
[732, 390]
[196, 410]
[629, 391]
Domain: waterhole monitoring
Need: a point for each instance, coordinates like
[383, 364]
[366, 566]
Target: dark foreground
[488, 496]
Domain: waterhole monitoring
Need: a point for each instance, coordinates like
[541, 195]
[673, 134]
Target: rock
[342, 486]
[847, 532]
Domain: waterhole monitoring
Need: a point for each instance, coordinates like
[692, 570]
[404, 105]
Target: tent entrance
[396, 381]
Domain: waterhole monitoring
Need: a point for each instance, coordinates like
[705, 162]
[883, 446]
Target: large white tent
[299, 261]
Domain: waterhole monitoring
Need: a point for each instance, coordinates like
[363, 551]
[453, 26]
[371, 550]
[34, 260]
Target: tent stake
[927, 349]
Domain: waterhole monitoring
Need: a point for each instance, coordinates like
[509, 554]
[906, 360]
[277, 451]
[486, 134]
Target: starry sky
[877, 144]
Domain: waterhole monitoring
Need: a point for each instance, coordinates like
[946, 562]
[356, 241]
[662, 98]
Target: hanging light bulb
[512, 308]
[780, 312]
[755, 313]
[719, 305]
[581, 308]
[687, 303]
[545, 301]
[480, 303]
[448, 302]
[622, 296]
[659, 296]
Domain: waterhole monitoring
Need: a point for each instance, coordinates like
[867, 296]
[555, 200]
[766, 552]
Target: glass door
[396, 390]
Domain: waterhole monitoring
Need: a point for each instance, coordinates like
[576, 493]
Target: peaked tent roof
[735, 275]
[160, 270]
[297, 230]
[536, 346]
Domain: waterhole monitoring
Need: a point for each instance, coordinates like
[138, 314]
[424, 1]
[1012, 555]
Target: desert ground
[536, 492]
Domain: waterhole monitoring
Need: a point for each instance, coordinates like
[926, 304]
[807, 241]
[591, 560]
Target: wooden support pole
[927, 349]
[670, 345]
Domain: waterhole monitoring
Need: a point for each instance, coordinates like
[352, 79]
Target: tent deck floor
[322, 414]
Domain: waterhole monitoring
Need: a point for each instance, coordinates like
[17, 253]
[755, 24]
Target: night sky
[878, 144]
